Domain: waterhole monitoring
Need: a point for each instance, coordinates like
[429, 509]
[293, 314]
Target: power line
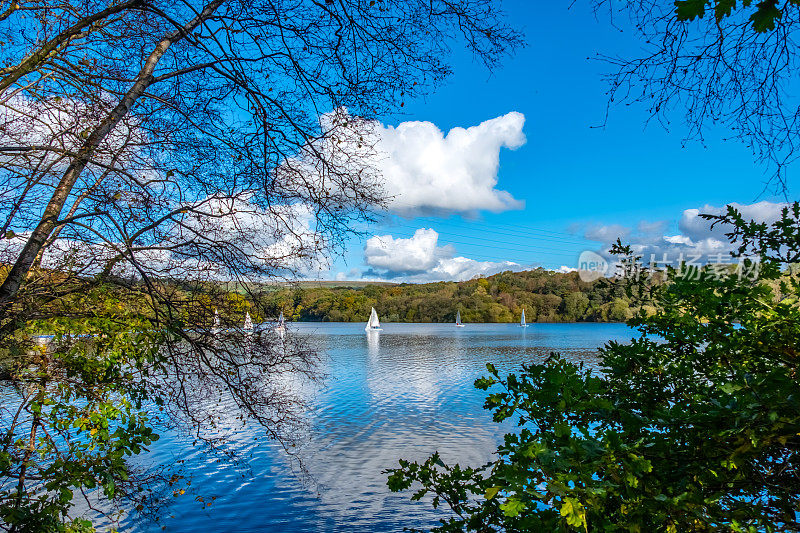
[493, 243]
[504, 233]
[496, 225]
[547, 251]
[483, 242]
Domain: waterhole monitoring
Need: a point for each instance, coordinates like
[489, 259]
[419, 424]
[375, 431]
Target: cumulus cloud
[425, 170]
[414, 167]
[695, 240]
[420, 258]
[417, 254]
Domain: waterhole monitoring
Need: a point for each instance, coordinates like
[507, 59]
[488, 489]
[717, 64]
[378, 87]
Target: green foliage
[575, 305]
[118, 364]
[763, 16]
[693, 426]
[546, 297]
[78, 412]
[690, 9]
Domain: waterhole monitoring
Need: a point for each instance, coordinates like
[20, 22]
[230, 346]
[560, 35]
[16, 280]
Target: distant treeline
[546, 296]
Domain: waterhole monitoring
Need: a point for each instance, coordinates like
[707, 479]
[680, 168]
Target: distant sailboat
[522, 322]
[374, 324]
[458, 320]
[248, 322]
[216, 319]
[280, 327]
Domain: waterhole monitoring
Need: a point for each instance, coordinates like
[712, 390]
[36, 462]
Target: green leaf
[724, 8]
[690, 9]
[491, 492]
[513, 507]
[574, 512]
[765, 16]
[562, 429]
[730, 388]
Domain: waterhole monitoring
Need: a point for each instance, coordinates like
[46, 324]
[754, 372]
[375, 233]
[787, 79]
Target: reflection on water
[405, 392]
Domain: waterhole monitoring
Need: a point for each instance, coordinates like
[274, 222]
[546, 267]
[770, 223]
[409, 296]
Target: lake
[403, 392]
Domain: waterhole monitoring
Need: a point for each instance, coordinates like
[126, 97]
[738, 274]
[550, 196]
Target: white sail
[248, 322]
[373, 323]
[216, 318]
[522, 322]
[458, 320]
[280, 329]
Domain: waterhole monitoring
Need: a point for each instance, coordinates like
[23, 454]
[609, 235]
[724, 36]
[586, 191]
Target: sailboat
[522, 322]
[374, 324]
[216, 320]
[281, 323]
[458, 320]
[248, 322]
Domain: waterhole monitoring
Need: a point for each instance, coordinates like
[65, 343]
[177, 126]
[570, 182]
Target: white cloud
[351, 275]
[279, 239]
[425, 170]
[564, 269]
[419, 259]
[699, 229]
[418, 254]
[696, 240]
[414, 166]
[213, 234]
[463, 268]
[678, 239]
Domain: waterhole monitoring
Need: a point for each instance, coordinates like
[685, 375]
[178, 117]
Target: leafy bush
[693, 426]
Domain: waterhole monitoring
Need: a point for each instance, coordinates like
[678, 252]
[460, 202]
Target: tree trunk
[49, 219]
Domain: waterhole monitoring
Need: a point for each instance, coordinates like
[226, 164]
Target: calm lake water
[404, 392]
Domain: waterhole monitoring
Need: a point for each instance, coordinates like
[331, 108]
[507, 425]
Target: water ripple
[404, 392]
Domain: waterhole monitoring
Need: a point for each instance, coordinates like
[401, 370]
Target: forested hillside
[546, 296]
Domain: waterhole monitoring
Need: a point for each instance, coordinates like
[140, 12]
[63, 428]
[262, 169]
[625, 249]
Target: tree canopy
[545, 295]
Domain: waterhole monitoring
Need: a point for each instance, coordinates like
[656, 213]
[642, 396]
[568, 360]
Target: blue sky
[571, 174]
